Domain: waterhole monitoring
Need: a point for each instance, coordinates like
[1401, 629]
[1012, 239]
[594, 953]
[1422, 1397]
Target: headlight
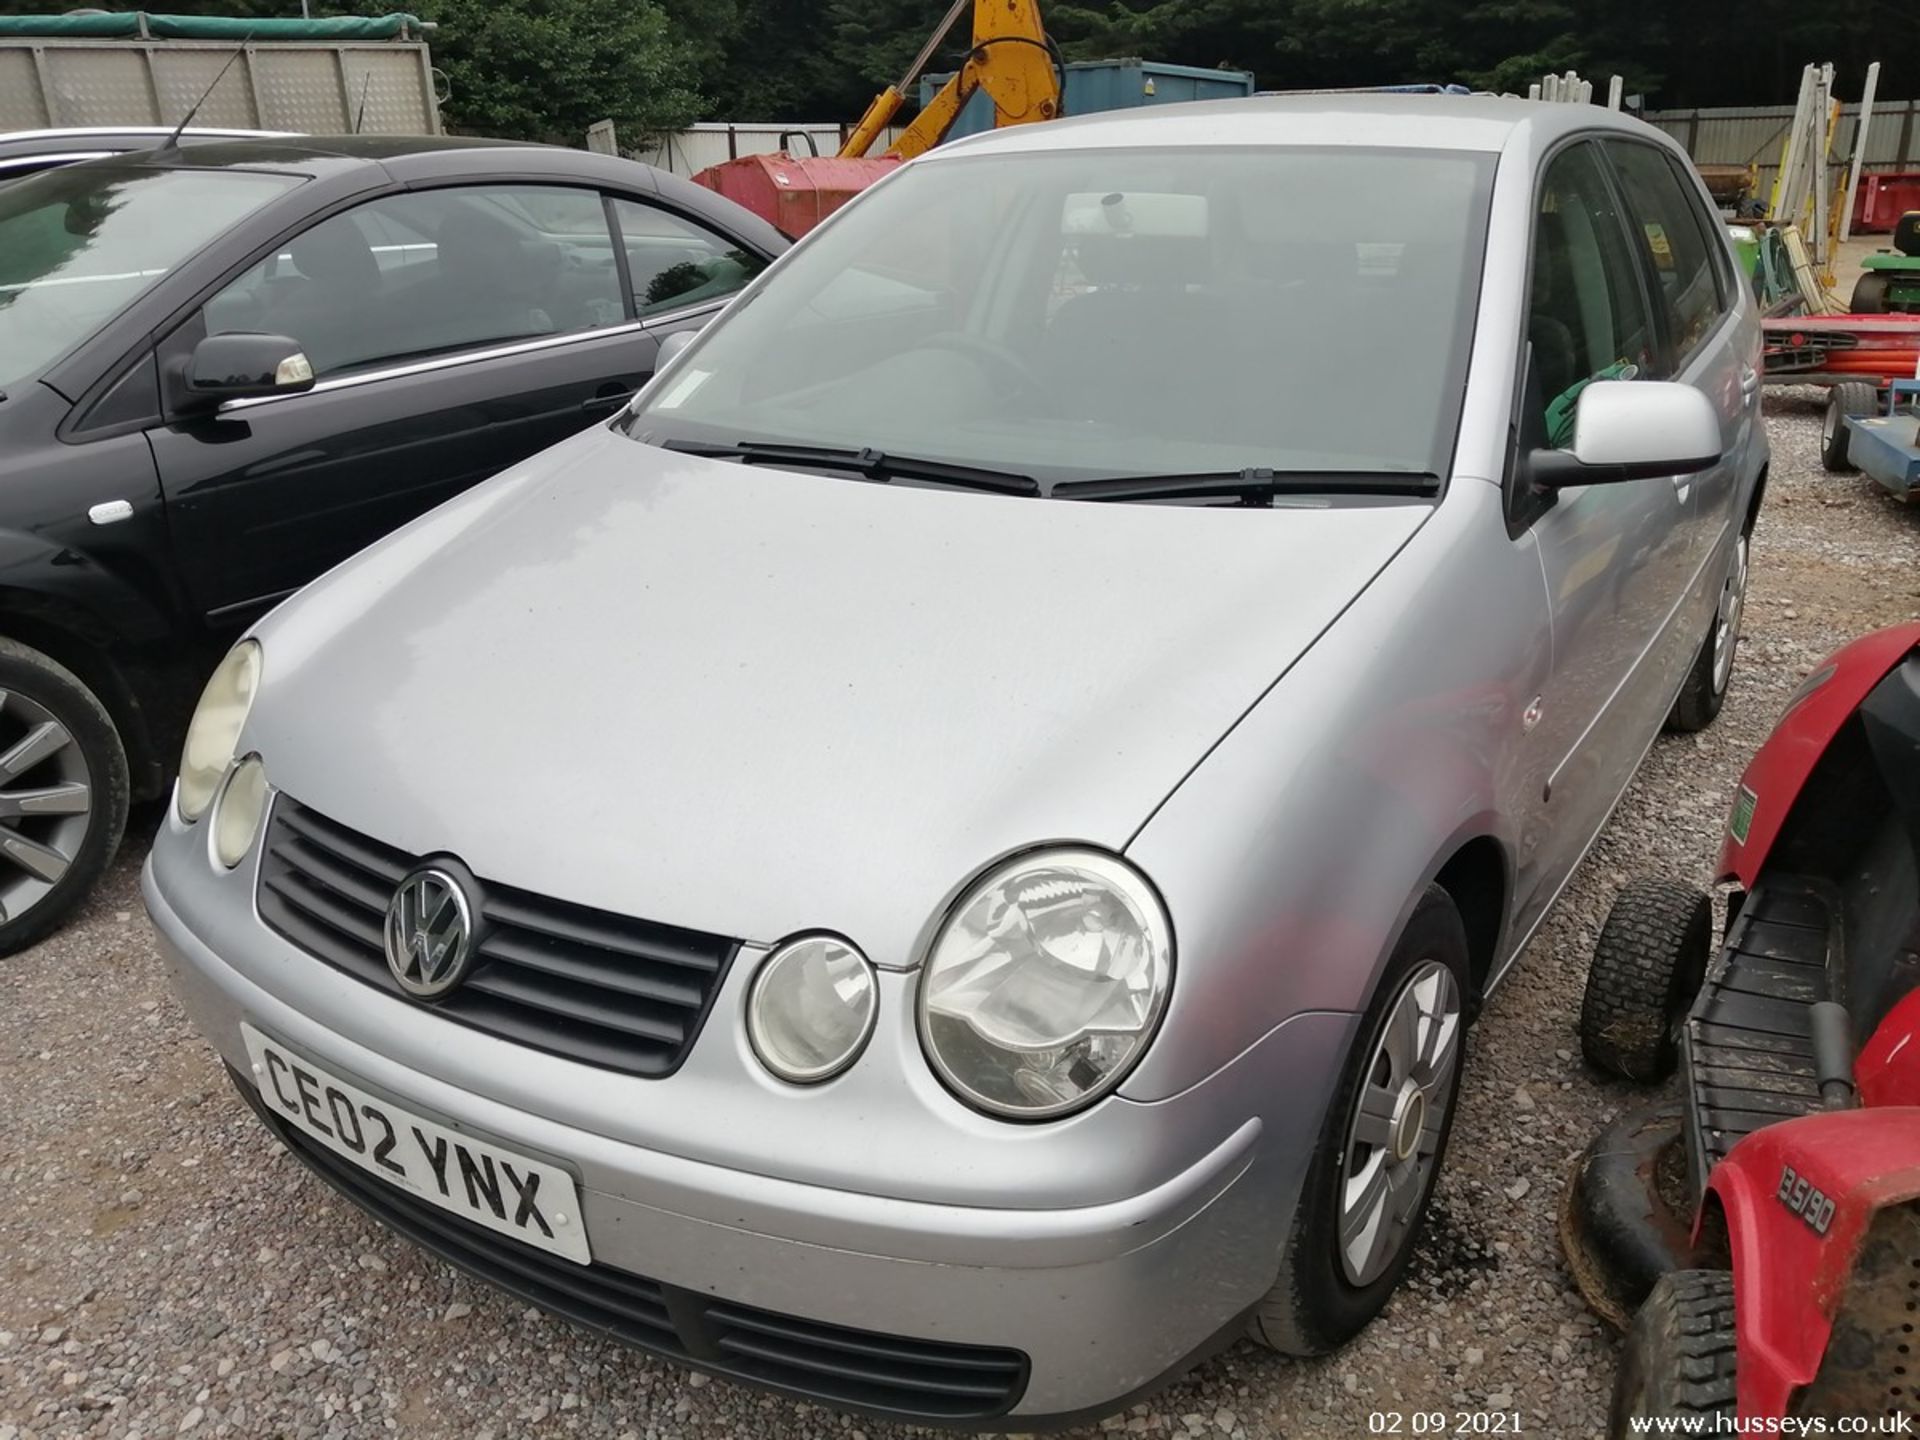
[811, 1008]
[215, 729]
[1046, 984]
[236, 817]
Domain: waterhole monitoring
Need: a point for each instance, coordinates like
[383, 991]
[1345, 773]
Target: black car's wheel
[1385, 1134]
[1869, 295]
[1855, 397]
[1678, 1359]
[1645, 971]
[63, 793]
[1705, 689]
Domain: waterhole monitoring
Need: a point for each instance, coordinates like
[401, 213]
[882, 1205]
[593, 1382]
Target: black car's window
[674, 262]
[433, 272]
[1671, 230]
[80, 244]
[1586, 313]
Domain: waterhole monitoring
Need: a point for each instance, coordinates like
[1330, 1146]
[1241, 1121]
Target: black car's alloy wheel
[63, 793]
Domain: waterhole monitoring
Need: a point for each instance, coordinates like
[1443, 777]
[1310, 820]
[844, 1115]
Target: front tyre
[63, 793]
[1678, 1359]
[1705, 690]
[1372, 1175]
[1849, 398]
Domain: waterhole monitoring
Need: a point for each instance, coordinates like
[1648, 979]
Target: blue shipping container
[1093, 85]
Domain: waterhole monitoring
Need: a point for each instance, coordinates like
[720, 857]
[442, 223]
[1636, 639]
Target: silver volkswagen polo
[942, 862]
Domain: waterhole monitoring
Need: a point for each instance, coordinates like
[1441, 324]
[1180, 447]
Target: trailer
[346, 74]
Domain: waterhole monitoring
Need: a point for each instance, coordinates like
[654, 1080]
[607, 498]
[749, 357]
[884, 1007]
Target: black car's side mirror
[242, 366]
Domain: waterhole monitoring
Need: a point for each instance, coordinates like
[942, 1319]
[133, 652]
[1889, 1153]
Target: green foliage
[546, 69]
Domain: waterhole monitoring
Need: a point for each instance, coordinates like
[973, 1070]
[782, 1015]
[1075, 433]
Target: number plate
[527, 1199]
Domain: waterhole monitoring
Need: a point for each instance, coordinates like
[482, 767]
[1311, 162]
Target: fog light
[236, 814]
[811, 1008]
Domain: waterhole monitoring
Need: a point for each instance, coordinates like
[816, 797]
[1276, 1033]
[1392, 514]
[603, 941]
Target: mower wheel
[1869, 295]
[1646, 969]
[1679, 1356]
[1853, 397]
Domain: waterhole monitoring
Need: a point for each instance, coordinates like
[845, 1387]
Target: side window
[433, 272]
[1668, 223]
[1586, 311]
[675, 262]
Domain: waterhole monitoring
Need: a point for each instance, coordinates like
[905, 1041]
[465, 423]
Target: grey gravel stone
[147, 1222]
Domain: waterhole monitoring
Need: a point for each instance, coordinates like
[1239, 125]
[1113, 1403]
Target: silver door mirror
[1633, 430]
[672, 345]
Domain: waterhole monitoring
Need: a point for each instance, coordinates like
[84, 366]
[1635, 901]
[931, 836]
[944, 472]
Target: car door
[1693, 288]
[1614, 557]
[681, 272]
[453, 331]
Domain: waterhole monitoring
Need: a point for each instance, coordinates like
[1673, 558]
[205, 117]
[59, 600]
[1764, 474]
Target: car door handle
[1749, 380]
[606, 401]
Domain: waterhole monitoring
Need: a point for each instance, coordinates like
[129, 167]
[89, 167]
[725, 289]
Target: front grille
[855, 1369]
[599, 988]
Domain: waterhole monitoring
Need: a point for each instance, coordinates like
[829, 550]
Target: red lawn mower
[1759, 1237]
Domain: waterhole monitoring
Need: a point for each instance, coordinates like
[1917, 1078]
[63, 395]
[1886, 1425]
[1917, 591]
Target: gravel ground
[161, 1272]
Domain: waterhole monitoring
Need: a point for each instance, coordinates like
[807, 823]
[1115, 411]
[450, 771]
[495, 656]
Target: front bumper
[1099, 1300]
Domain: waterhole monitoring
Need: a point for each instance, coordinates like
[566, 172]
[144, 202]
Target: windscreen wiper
[873, 464]
[1251, 485]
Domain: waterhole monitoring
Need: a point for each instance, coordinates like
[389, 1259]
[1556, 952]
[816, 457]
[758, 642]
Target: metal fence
[1754, 134]
[684, 152]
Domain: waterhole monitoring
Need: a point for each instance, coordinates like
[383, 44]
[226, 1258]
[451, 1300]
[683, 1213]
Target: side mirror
[242, 366]
[671, 346]
[1632, 430]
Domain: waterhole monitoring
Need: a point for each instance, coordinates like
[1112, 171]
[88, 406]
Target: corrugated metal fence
[1753, 135]
[685, 152]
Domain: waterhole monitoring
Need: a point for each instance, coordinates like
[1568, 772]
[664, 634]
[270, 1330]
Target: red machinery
[1836, 349]
[1011, 60]
[1764, 1234]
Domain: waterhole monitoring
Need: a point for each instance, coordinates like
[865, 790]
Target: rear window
[80, 244]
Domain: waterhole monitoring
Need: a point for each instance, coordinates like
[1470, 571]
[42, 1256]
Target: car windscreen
[1110, 312]
[79, 244]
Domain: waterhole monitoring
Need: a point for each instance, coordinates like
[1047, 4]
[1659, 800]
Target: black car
[27, 152]
[226, 367]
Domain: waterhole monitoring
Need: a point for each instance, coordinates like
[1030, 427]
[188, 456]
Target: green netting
[211, 27]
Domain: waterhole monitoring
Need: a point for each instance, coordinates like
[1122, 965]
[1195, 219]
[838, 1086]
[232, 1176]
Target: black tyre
[63, 793]
[1678, 1359]
[1645, 971]
[1387, 1130]
[1705, 688]
[1869, 295]
[1855, 397]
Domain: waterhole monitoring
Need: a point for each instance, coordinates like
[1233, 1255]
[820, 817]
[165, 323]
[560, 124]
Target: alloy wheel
[1394, 1139]
[46, 802]
[1726, 629]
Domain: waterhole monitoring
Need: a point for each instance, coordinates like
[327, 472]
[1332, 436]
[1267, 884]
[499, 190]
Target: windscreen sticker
[1742, 820]
[682, 389]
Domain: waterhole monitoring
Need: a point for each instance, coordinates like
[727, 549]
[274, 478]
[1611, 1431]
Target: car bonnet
[752, 701]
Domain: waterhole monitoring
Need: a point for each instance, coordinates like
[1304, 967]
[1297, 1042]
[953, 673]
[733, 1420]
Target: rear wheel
[1855, 397]
[1646, 969]
[1385, 1134]
[1678, 1359]
[63, 793]
[1869, 295]
[1705, 689]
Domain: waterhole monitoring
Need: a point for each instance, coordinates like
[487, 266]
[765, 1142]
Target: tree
[547, 69]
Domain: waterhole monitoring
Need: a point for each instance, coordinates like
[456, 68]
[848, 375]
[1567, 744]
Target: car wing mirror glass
[1633, 430]
[245, 366]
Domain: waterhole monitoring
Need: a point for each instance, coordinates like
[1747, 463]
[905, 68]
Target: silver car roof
[1363, 119]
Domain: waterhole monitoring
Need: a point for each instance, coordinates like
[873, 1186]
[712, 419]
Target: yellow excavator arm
[1011, 59]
